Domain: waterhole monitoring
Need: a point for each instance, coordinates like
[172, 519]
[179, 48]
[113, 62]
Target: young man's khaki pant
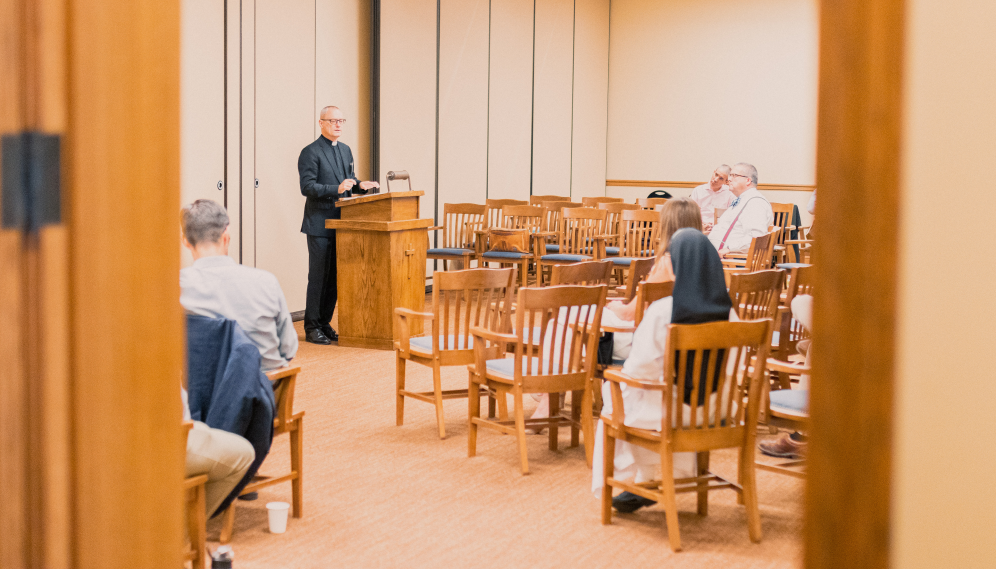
[223, 456]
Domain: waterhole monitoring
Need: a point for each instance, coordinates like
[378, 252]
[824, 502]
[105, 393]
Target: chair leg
[297, 465]
[668, 499]
[227, 525]
[473, 411]
[198, 528]
[437, 387]
[576, 400]
[749, 484]
[400, 401]
[587, 426]
[553, 405]
[520, 428]
[703, 491]
[608, 470]
[492, 406]
[502, 398]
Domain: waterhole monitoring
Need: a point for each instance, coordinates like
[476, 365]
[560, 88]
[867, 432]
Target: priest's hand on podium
[347, 185]
[368, 185]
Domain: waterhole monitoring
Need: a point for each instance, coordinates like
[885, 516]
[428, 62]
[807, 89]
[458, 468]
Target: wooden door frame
[858, 168]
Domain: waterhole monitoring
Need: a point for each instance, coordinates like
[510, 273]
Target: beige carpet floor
[378, 495]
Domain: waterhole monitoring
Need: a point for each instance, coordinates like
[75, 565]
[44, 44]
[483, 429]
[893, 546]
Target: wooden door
[202, 109]
[90, 328]
[285, 124]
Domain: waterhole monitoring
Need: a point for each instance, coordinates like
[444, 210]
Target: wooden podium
[380, 250]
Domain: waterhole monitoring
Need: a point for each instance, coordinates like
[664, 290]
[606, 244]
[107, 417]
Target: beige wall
[944, 506]
[695, 83]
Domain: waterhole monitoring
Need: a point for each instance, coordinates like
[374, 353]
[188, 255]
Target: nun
[700, 296]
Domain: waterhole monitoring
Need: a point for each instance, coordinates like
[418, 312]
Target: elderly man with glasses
[327, 175]
[749, 214]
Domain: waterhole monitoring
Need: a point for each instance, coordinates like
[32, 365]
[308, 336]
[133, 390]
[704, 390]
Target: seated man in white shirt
[217, 287]
[713, 194]
[749, 215]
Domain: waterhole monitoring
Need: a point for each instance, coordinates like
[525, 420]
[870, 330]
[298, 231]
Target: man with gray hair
[749, 214]
[713, 194]
[217, 287]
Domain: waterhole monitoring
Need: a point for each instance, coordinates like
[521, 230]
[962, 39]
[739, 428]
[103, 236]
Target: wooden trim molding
[858, 163]
[673, 184]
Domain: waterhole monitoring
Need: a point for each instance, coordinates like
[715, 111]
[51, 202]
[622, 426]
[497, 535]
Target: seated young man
[217, 287]
[224, 457]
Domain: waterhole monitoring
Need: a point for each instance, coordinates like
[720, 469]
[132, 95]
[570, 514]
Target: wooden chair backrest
[462, 300]
[284, 381]
[460, 220]
[639, 231]
[782, 219]
[531, 217]
[613, 215]
[698, 354]
[649, 293]
[800, 282]
[760, 251]
[186, 427]
[538, 200]
[567, 320]
[494, 216]
[717, 213]
[578, 229]
[639, 268]
[554, 212]
[588, 273]
[593, 202]
[650, 203]
[756, 295]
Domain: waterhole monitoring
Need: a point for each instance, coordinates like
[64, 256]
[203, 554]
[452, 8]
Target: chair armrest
[788, 367]
[798, 241]
[735, 256]
[404, 336]
[484, 333]
[436, 228]
[409, 313]
[280, 373]
[617, 376]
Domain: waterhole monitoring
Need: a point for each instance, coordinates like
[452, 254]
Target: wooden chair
[555, 337]
[528, 217]
[538, 200]
[554, 211]
[460, 223]
[789, 332]
[284, 381]
[650, 203]
[782, 220]
[637, 271]
[461, 300]
[588, 273]
[787, 409]
[639, 232]
[196, 516]
[756, 295]
[718, 212]
[613, 216]
[594, 202]
[726, 420]
[649, 293]
[758, 257]
[494, 216]
[576, 240]
[800, 250]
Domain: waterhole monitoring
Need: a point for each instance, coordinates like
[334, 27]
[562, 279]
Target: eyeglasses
[741, 175]
[334, 121]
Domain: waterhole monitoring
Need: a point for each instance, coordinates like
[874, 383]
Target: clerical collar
[331, 142]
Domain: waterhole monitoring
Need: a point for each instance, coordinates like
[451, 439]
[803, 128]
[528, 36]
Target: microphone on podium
[398, 176]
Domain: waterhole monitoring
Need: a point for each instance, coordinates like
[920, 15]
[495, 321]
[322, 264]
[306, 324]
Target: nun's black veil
[699, 295]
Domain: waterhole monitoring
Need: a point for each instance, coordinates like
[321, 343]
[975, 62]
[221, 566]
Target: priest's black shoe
[317, 337]
[627, 503]
[330, 333]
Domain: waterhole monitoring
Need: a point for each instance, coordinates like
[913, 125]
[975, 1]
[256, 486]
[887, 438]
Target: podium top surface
[355, 200]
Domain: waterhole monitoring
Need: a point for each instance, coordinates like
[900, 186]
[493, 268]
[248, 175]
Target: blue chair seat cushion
[565, 257]
[506, 255]
[424, 343]
[623, 261]
[790, 400]
[612, 250]
[449, 251]
[551, 248]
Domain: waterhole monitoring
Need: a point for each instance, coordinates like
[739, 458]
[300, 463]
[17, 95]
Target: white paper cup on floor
[278, 516]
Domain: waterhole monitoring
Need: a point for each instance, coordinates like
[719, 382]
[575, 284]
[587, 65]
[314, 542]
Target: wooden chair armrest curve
[787, 367]
[479, 332]
[436, 228]
[282, 372]
[617, 376]
[409, 313]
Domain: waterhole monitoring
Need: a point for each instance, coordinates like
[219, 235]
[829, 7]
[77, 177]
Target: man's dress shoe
[330, 333]
[627, 503]
[317, 337]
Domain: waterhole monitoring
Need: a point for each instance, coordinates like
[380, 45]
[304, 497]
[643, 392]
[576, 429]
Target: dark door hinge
[31, 192]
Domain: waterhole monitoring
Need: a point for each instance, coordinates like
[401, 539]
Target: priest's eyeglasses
[334, 121]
